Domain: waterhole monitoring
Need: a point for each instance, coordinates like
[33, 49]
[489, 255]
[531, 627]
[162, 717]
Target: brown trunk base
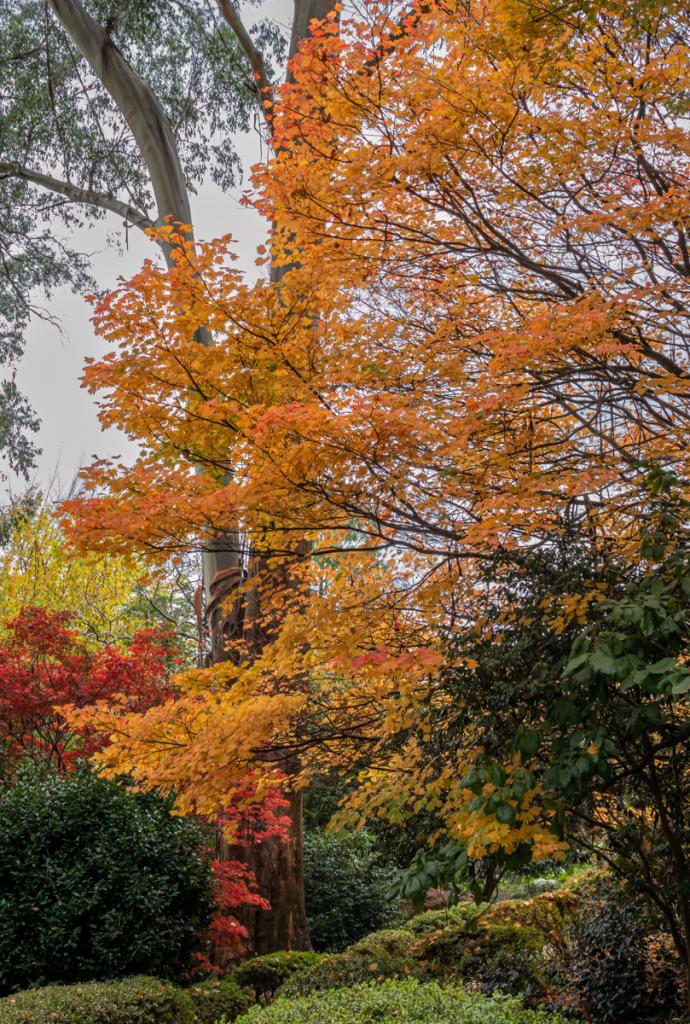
[278, 865]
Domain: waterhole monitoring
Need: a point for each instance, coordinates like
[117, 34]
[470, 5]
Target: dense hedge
[219, 998]
[265, 974]
[393, 1002]
[97, 882]
[130, 1001]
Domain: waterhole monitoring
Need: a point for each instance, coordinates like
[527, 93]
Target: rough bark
[279, 867]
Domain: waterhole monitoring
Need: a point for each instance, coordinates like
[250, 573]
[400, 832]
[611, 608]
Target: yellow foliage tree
[38, 568]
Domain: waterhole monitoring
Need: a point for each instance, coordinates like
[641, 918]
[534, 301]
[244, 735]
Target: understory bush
[219, 998]
[265, 974]
[562, 950]
[395, 1002]
[495, 958]
[384, 954]
[97, 882]
[617, 970]
[129, 1001]
[345, 889]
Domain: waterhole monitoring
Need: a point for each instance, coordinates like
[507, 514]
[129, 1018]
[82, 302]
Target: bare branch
[253, 55]
[76, 194]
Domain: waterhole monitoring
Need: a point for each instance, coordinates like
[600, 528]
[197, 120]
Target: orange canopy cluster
[480, 318]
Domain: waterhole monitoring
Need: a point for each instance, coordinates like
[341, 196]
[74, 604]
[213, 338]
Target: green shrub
[219, 997]
[395, 1002]
[346, 889]
[265, 974]
[388, 942]
[130, 1001]
[617, 970]
[385, 954]
[433, 920]
[97, 882]
[495, 958]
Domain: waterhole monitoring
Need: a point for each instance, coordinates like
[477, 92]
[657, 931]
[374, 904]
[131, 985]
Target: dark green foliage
[265, 974]
[617, 972]
[131, 1001]
[17, 421]
[398, 1002]
[346, 888]
[395, 843]
[97, 882]
[219, 997]
[496, 958]
[595, 705]
[447, 868]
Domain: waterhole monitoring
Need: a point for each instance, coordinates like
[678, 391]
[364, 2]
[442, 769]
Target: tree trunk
[149, 124]
[278, 865]
[137, 103]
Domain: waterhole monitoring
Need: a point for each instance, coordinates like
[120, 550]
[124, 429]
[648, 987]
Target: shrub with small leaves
[97, 882]
[493, 958]
[219, 998]
[384, 954]
[265, 974]
[394, 1002]
[130, 1001]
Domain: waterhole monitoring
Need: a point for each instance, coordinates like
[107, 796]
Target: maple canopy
[479, 329]
[44, 665]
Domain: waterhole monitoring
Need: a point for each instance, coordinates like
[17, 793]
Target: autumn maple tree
[45, 664]
[479, 331]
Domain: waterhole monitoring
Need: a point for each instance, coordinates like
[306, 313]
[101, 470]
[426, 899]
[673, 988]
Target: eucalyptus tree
[114, 108]
[121, 109]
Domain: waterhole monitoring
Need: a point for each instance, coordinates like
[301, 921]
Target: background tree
[45, 665]
[108, 109]
[38, 570]
[106, 598]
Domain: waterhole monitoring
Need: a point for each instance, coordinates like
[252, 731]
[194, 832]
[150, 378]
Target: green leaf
[528, 742]
[603, 662]
[566, 713]
[682, 686]
[505, 814]
[576, 662]
[665, 665]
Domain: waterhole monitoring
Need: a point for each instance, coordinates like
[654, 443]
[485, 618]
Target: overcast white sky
[49, 373]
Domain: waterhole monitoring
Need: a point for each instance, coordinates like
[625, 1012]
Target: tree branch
[139, 106]
[253, 55]
[77, 194]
